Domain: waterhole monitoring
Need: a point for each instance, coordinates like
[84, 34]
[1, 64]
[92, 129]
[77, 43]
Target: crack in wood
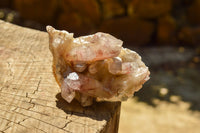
[11, 75]
[32, 106]
[19, 101]
[11, 105]
[39, 120]
[27, 96]
[29, 110]
[10, 123]
[10, 112]
[33, 127]
[10, 68]
[70, 115]
[22, 121]
[14, 109]
[66, 124]
[6, 129]
[37, 85]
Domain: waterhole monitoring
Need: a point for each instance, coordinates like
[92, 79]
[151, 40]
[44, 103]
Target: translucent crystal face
[95, 67]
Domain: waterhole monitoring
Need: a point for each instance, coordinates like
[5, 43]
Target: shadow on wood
[99, 111]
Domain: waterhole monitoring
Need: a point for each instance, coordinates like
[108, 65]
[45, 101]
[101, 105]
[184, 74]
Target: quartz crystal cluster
[95, 67]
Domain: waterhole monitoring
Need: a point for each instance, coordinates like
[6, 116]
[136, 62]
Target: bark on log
[30, 99]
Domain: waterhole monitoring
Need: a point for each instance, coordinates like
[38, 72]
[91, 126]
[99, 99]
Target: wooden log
[30, 99]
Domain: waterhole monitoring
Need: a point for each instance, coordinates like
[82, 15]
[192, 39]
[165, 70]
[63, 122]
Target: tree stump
[30, 99]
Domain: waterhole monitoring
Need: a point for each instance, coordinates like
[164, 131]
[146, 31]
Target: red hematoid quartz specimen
[95, 67]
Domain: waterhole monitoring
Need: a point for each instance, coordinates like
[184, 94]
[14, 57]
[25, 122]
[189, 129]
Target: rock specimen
[95, 67]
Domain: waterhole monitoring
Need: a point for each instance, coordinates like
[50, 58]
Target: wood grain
[30, 99]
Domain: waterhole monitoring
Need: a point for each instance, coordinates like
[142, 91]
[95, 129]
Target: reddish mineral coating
[95, 67]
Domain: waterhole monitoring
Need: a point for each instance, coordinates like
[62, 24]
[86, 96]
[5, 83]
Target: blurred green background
[166, 33]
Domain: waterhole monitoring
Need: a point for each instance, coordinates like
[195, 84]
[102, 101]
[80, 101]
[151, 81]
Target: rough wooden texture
[30, 99]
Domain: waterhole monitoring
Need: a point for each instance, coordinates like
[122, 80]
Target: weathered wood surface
[30, 99]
